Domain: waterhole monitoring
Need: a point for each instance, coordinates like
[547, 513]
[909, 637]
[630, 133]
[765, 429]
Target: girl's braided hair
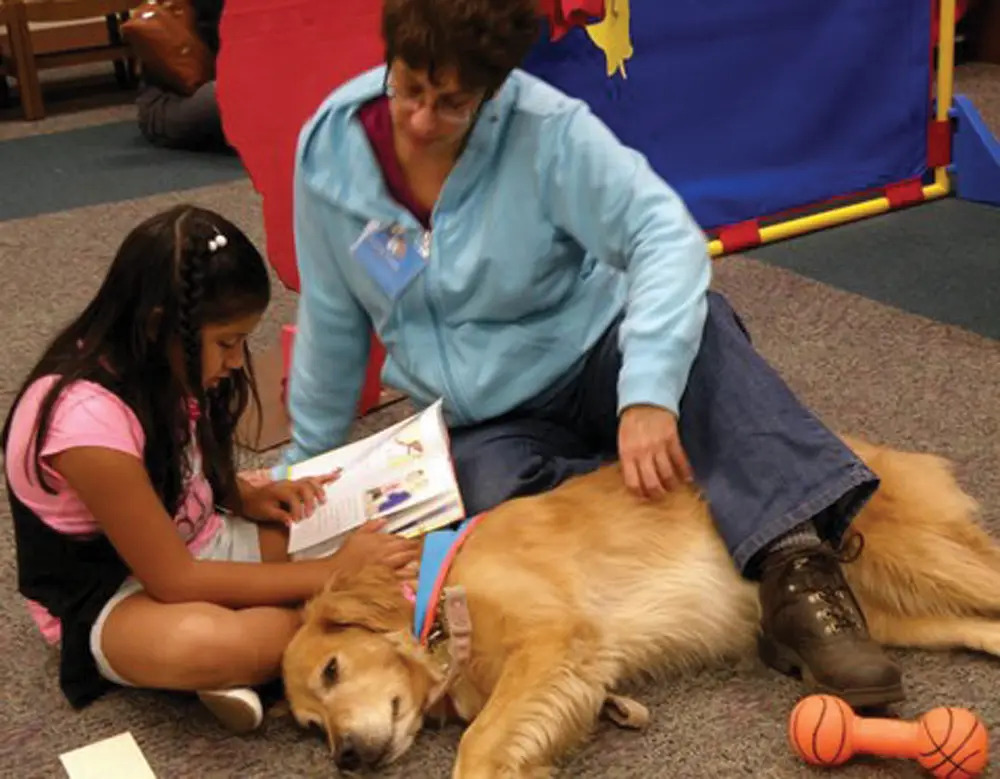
[171, 276]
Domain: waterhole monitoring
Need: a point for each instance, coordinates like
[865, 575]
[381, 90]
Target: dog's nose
[355, 752]
[348, 758]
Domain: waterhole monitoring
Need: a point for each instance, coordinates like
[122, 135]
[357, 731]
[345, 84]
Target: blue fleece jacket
[545, 229]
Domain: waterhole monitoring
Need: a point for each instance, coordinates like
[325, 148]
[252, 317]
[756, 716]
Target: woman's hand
[285, 501]
[649, 446]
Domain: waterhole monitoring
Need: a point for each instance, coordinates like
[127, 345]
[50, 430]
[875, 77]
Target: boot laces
[850, 548]
[819, 577]
[839, 613]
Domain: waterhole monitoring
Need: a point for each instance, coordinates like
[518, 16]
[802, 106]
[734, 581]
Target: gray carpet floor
[939, 260]
[99, 164]
[866, 367]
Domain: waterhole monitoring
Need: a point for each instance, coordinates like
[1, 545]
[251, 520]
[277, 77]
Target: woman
[555, 292]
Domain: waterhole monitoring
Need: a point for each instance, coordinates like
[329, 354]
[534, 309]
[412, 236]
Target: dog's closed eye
[309, 720]
[330, 672]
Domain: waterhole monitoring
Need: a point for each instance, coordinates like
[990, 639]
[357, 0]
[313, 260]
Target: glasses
[412, 102]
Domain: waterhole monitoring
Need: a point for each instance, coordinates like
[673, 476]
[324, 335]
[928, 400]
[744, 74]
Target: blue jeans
[765, 463]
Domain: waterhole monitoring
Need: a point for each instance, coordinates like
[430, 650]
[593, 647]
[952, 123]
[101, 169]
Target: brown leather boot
[811, 624]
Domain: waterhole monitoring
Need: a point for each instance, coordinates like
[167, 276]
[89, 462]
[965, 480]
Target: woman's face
[430, 115]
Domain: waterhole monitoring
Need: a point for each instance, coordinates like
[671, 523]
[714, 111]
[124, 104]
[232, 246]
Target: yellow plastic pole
[941, 186]
[836, 216]
[946, 59]
[945, 77]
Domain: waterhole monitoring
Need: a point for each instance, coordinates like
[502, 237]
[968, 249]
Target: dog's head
[354, 670]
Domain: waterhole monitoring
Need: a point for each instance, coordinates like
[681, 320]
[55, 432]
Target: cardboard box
[272, 427]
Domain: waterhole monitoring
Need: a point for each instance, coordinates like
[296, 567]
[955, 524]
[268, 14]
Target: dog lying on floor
[573, 592]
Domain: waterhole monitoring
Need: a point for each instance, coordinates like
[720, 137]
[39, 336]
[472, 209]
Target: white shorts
[238, 540]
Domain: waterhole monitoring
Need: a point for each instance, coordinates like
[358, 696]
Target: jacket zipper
[449, 379]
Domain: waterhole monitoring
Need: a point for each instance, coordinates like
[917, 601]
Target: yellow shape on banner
[611, 35]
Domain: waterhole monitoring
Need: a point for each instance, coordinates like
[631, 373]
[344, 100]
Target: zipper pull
[425, 245]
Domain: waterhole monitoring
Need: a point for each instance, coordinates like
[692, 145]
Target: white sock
[238, 709]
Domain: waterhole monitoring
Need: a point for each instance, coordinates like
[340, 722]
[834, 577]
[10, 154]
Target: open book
[403, 474]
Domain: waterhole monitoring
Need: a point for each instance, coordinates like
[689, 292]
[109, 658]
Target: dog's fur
[574, 591]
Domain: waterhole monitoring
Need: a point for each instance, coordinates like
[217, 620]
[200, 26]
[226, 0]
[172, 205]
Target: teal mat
[940, 260]
[103, 164]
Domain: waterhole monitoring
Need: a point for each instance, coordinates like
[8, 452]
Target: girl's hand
[286, 501]
[369, 545]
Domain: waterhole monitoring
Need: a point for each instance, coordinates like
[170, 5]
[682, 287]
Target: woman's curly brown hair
[483, 40]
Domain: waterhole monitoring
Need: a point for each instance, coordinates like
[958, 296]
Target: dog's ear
[372, 599]
[424, 673]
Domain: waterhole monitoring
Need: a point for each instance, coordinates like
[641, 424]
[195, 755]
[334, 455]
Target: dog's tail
[924, 552]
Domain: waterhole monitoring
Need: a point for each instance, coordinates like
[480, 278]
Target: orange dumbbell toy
[950, 742]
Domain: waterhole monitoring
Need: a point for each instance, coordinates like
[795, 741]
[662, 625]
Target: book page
[418, 438]
[352, 455]
[405, 469]
[346, 457]
[425, 518]
[358, 497]
[447, 513]
[441, 508]
[403, 488]
[342, 512]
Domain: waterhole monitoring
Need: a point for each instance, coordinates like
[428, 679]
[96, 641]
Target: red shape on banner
[278, 61]
[563, 15]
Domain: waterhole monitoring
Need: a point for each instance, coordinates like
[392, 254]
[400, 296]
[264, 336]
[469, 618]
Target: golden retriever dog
[574, 592]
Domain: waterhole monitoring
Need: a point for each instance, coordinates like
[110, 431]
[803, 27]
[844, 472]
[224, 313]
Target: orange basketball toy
[950, 742]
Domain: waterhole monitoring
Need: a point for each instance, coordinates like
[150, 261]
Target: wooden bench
[27, 62]
[13, 23]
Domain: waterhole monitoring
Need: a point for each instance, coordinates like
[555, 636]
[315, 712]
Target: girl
[118, 449]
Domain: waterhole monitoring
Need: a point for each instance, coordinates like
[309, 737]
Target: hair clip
[216, 243]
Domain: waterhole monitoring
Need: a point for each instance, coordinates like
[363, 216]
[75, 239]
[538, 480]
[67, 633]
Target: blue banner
[750, 107]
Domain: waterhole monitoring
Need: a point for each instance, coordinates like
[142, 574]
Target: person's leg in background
[174, 121]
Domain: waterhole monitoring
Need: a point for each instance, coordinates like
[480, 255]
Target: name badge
[390, 256]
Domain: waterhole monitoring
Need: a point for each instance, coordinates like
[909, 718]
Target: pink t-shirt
[86, 414]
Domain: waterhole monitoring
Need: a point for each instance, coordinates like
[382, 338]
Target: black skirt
[73, 579]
